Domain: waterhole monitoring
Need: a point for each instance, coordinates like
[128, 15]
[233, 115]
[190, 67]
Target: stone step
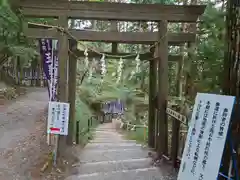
[107, 134]
[108, 140]
[112, 137]
[108, 137]
[102, 151]
[112, 146]
[117, 155]
[108, 166]
[105, 130]
[134, 174]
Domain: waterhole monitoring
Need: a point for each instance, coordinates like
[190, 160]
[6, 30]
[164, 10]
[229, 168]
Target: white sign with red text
[206, 137]
[58, 118]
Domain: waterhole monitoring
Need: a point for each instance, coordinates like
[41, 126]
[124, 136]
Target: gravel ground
[22, 140]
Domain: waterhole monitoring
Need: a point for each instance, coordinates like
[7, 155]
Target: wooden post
[77, 132]
[162, 51]
[179, 70]
[18, 71]
[38, 78]
[114, 28]
[15, 70]
[41, 80]
[190, 90]
[176, 123]
[72, 92]
[63, 57]
[175, 139]
[32, 72]
[152, 107]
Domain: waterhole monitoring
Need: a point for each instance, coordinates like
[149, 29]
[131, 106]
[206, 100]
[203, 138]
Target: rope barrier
[64, 30]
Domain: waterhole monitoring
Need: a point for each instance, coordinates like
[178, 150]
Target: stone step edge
[110, 139]
[112, 162]
[113, 144]
[114, 172]
[105, 160]
[116, 142]
[113, 150]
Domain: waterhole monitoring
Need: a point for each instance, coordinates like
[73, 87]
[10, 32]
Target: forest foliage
[207, 63]
[13, 43]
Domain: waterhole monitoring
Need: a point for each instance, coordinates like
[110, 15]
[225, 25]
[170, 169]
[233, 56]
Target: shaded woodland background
[199, 72]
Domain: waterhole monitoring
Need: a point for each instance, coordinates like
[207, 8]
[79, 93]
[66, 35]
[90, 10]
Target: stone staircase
[110, 157]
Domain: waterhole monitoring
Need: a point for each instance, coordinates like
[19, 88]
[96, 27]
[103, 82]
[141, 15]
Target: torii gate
[62, 11]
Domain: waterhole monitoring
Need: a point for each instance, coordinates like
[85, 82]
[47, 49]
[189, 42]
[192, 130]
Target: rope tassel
[86, 58]
[103, 65]
[137, 63]
[119, 70]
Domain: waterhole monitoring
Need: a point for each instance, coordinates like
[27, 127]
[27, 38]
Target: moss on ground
[139, 135]
[85, 133]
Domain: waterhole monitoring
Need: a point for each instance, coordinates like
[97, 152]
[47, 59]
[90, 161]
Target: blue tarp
[113, 107]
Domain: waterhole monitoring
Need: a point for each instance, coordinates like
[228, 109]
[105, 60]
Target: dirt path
[21, 134]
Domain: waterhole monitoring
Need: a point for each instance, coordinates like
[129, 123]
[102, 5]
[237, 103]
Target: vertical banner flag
[206, 137]
[50, 65]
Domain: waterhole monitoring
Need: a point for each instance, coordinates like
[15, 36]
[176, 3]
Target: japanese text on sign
[206, 137]
[58, 117]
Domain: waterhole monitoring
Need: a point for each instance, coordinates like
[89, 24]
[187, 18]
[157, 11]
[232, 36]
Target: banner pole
[54, 47]
[51, 85]
[55, 151]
